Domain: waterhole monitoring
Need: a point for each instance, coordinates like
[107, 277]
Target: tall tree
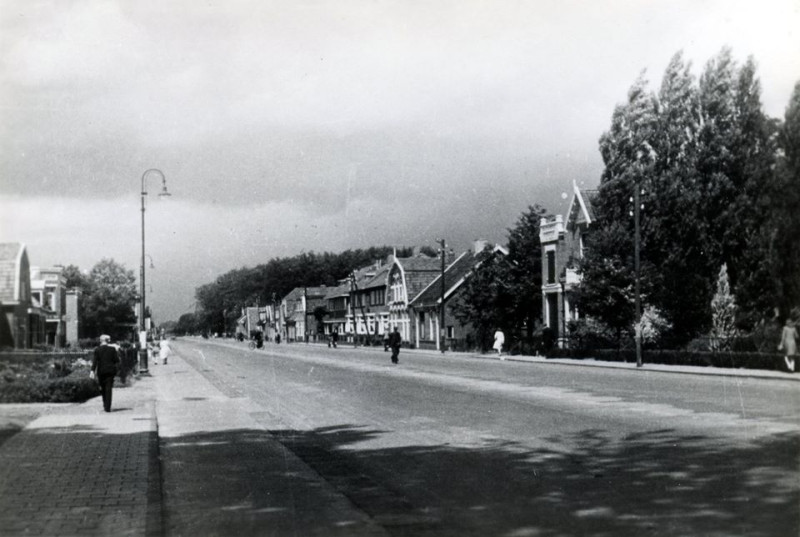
[783, 233]
[487, 300]
[525, 272]
[109, 301]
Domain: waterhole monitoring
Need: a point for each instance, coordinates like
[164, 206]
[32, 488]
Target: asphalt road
[453, 445]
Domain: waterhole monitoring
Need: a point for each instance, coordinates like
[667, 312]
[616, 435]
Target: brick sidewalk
[77, 470]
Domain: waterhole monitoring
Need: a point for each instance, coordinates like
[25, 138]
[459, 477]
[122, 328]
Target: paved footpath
[78, 470]
[174, 457]
[178, 457]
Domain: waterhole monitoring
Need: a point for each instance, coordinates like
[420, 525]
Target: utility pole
[305, 312]
[442, 334]
[636, 264]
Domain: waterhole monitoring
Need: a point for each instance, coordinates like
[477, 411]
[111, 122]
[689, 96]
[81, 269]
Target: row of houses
[37, 308]
[409, 293]
[402, 292]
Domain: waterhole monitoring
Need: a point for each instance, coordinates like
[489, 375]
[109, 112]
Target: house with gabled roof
[22, 323]
[406, 278]
[369, 311]
[562, 245]
[426, 307]
[297, 320]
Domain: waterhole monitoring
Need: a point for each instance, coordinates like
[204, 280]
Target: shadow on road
[655, 483]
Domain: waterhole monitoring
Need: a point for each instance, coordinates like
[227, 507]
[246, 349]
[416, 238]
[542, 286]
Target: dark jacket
[106, 360]
[394, 339]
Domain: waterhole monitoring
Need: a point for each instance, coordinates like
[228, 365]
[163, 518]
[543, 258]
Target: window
[450, 332]
[551, 266]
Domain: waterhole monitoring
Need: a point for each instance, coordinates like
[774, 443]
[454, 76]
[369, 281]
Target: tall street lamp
[143, 367]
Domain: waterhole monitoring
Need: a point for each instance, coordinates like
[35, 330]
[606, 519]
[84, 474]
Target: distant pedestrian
[386, 341]
[335, 338]
[104, 367]
[164, 351]
[499, 340]
[394, 342]
[788, 343]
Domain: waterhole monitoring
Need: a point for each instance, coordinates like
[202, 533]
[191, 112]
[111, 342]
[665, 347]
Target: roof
[419, 263]
[11, 255]
[454, 276]
[311, 292]
[340, 290]
[581, 208]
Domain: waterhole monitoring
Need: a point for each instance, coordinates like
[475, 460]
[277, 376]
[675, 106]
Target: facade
[297, 320]
[562, 248]
[425, 308]
[22, 323]
[369, 313]
[337, 304]
[406, 278]
[49, 291]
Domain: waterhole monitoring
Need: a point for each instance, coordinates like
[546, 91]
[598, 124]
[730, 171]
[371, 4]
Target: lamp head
[163, 192]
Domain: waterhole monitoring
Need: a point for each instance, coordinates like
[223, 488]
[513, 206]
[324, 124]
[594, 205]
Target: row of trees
[720, 184]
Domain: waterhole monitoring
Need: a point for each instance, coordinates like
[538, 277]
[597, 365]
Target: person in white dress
[164, 351]
[499, 340]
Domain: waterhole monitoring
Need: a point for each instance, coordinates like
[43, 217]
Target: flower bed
[45, 378]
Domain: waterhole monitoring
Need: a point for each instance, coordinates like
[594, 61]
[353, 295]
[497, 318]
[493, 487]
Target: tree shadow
[653, 483]
[306, 482]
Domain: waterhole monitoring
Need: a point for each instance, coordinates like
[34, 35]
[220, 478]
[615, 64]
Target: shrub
[46, 381]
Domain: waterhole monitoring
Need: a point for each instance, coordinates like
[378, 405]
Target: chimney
[479, 245]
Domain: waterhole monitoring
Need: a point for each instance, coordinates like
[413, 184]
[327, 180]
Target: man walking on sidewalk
[104, 366]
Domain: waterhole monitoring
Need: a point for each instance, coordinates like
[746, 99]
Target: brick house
[22, 324]
[49, 291]
[562, 248]
[426, 310]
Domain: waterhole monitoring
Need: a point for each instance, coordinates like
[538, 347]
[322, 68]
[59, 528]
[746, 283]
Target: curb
[587, 362]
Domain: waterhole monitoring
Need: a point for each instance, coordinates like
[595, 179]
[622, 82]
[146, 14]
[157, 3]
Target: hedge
[724, 359]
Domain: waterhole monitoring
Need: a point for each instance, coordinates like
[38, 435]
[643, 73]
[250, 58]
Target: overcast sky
[292, 126]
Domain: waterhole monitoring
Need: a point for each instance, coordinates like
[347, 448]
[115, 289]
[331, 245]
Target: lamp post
[143, 367]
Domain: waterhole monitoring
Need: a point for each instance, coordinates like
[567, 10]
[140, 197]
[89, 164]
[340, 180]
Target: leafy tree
[783, 229]
[108, 301]
[525, 272]
[606, 291]
[186, 324]
[503, 291]
[487, 300]
[704, 156]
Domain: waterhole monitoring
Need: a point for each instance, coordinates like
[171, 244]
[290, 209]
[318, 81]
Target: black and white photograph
[399, 268]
